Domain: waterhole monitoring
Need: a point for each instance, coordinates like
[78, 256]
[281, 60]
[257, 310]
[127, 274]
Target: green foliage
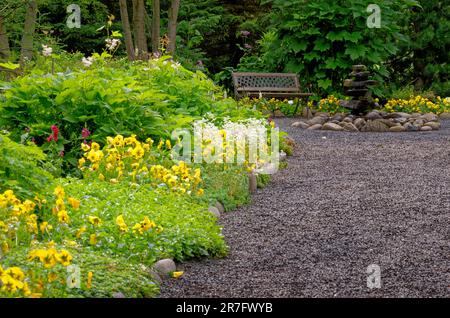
[228, 186]
[21, 168]
[320, 40]
[147, 99]
[424, 59]
[110, 275]
[188, 229]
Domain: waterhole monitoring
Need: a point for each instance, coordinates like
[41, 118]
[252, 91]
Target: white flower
[46, 50]
[87, 61]
[291, 102]
[111, 44]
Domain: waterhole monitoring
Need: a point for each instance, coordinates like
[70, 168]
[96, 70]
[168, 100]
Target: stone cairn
[357, 87]
[363, 116]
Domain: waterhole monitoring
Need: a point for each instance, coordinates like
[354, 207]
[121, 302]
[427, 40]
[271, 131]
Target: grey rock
[416, 115]
[322, 114]
[155, 276]
[307, 113]
[426, 128]
[434, 125]
[387, 122]
[118, 295]
[349, 127]
[373, 115]
[317, 120]
[164, 267]
[375, 126]
[429, 117]
[220, 207]
[215, 211]
[401, 120]
[419, 122]
[278, 113]
[315, 127]
[445, 115]
[332, 127]
[359, 122]
[300, 124]
[397, 129]
[348, 119]
[334, 121]
[411, 127]
[337, 117]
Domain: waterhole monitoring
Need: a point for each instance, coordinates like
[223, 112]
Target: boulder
[359, 122]
[411, 127]
[397, 129]
[315, 127]
[300, 124]
[215, 211]
[165, 266]
[373, 115]
[434, 125]
[445, 115]
[349, 127]
[426, 128]
[332, 127]
[307, 113]
[317, 120]
[429, 117]
[375, 126]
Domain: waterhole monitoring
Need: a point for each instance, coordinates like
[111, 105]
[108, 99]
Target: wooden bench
[270, 85]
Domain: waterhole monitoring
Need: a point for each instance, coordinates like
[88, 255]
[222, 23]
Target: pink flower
[245, 33]
[61, 153]
[85, 133]
[54, 135]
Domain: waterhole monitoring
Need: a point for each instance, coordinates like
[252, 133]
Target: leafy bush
[321, 39]
[149, 99]
[21, 168]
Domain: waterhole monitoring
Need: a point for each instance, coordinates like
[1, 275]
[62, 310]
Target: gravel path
[346, 201]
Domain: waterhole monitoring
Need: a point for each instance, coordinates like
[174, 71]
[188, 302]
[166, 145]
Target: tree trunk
[4, 43]
[141, 39]
[127, 29]
[156, 25]
[173, 18]
[28, 32]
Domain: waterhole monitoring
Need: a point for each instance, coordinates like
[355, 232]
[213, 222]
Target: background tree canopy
[319, 39]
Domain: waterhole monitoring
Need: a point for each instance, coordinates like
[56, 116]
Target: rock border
[375, 121]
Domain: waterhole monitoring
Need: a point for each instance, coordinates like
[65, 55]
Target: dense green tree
[321, 39]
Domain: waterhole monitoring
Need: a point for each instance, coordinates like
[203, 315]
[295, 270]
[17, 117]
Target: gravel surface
[347, 200]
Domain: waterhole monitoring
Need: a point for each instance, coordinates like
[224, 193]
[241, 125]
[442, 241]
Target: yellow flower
[85, 147]
[59, 192]
[95, 220]
[74, 203]
[138, 152]
[89, 280]
[114, 181]
[177, 275]
[121, 223]
[118, 141]
[161, 144]
[200, 192]
[95, 146]
[64, 258]
[80, 231]
[15, 272]
[101, 177]
[63, 217]
[93, 239]
[49, 260]
[147, 224]
[168, 144]
[81, 162]
[45, 227]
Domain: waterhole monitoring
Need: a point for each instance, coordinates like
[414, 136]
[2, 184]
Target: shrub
[21, 168]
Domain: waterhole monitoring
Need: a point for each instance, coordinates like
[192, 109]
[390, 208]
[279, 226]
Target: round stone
[165, 266]
[118, 295]
[426, 128]
[332, 127]
[215, 211]
[220, 207]
[315, 127]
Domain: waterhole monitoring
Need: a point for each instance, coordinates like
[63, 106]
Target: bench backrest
[265, 82]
